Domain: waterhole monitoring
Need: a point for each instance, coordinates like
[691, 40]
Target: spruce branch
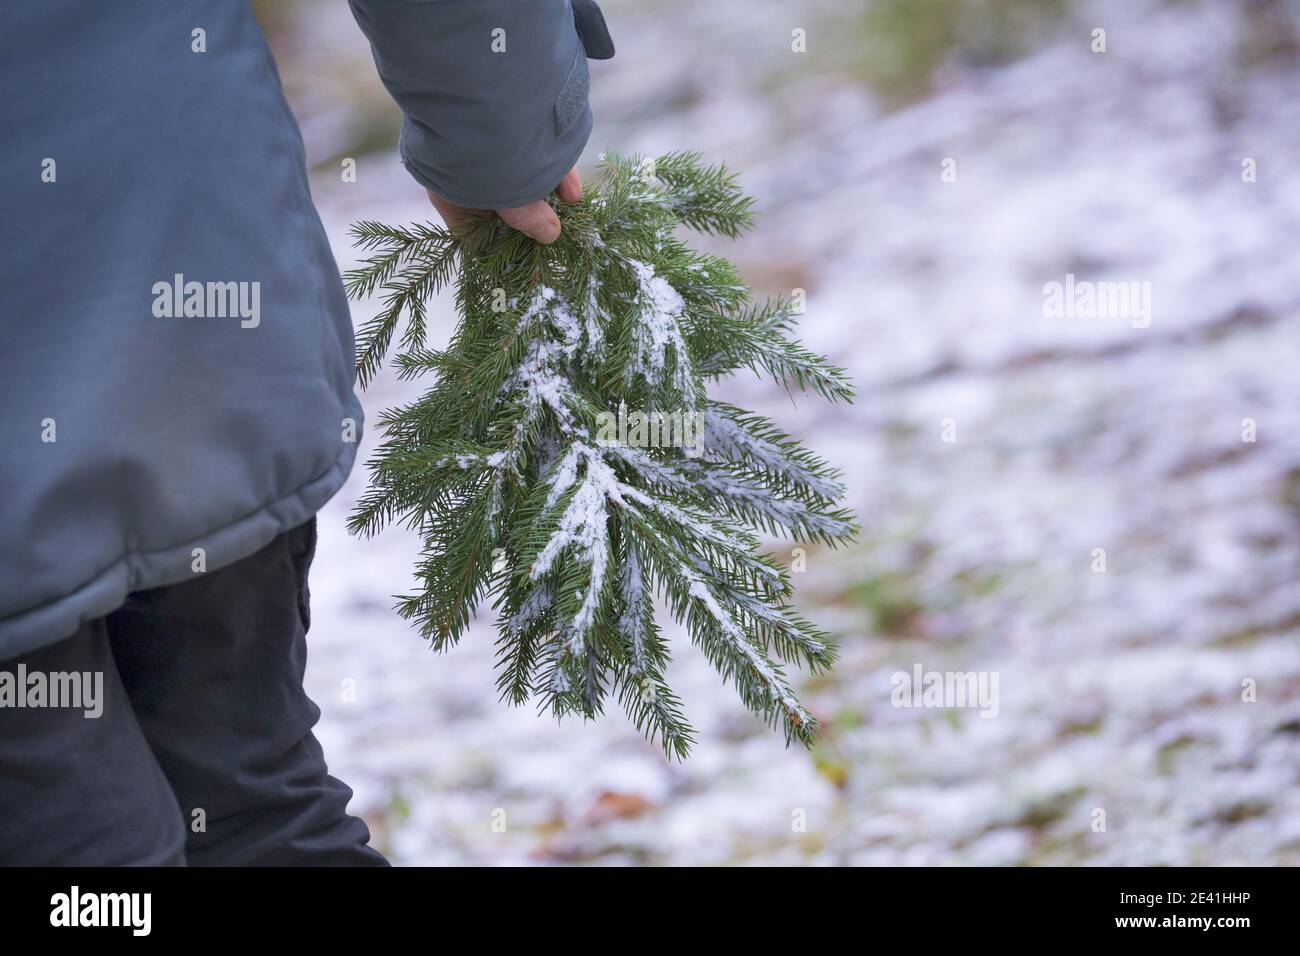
[507, 469]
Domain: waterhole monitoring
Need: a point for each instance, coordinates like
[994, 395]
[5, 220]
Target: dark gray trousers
[203, 753]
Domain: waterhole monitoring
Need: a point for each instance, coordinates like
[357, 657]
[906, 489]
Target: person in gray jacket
[177, 382]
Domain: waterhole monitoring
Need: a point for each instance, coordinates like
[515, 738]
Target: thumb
[537, 220]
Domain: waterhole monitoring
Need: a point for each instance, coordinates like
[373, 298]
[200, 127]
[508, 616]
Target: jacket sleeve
[493, 93]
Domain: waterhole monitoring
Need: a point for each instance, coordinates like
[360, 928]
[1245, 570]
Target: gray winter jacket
[176, 380]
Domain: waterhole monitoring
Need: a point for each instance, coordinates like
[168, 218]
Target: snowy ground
[1120, 691]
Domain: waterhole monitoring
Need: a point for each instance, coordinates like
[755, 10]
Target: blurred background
[991, 452]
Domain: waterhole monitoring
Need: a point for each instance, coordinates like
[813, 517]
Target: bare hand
[536, 220]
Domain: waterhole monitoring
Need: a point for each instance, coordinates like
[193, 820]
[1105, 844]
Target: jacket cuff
[415, 144]
[494, 93]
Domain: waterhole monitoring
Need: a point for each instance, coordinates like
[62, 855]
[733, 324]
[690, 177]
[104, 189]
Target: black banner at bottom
[333, 906]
